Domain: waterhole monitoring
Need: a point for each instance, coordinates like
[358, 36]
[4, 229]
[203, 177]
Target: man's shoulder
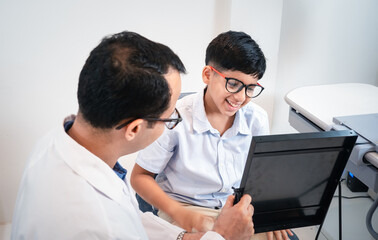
[42, 147]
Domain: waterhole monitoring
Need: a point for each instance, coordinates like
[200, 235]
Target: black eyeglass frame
[242, 84]
[151, 120]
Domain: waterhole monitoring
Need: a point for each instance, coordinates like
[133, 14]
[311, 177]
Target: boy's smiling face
[217, 99]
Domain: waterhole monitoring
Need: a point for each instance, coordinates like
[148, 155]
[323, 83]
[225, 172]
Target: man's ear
[206, 72]
[133, 128]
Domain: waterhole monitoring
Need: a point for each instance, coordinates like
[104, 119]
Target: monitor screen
[292, 177]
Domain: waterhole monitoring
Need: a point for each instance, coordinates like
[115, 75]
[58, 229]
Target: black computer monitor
[292, 177]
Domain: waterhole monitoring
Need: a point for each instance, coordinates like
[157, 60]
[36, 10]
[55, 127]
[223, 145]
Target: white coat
[68, 193]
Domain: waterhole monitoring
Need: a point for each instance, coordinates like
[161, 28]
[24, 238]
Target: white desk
[321, 103]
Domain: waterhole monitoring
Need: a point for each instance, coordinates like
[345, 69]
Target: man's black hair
[236, 51]
[123, 78]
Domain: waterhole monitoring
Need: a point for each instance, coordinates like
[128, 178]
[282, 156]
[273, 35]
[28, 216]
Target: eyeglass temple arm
[217, 72]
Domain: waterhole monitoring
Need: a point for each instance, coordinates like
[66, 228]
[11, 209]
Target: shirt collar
[201, 123]
[240, 125]
[120, 171]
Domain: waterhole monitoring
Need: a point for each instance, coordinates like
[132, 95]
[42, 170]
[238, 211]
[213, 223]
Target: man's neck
[98, 142]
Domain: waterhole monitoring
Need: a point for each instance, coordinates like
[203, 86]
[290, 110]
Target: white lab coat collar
[91, 168]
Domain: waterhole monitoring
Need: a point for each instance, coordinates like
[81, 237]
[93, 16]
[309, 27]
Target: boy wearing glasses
[73, 186]
[201, 160]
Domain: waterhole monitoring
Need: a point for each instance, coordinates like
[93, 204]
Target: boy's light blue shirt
[195, 164]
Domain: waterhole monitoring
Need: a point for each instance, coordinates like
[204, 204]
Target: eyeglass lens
[235, 86]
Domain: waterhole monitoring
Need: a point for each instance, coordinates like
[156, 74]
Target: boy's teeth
[234, 105]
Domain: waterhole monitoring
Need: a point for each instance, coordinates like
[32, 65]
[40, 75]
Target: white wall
[43, 45]
[323, 42]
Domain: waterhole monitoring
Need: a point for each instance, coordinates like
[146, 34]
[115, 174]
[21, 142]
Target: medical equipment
[339, 107]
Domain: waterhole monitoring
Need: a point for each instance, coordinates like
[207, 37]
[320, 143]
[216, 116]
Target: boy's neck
[221, 124]
[217, 120]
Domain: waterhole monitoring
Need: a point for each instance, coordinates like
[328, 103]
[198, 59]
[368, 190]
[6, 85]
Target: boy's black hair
[123, 78]
[236, 51]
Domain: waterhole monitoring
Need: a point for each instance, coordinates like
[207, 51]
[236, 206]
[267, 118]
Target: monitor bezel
[283, 221]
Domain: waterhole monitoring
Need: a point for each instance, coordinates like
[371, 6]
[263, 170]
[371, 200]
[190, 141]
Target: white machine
[339, 107]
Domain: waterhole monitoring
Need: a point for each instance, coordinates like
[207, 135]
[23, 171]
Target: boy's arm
[233, 223]
[145, 185]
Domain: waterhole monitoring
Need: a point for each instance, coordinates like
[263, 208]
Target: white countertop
[321, 103]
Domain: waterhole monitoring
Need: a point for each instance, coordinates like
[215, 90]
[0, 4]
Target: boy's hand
[280, 235]
[193, 221]
[235, 222]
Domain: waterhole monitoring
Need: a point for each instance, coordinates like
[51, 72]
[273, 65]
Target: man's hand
[235, 222]
[280, 235]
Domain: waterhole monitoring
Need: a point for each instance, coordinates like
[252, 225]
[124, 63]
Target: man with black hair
[73, 186]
